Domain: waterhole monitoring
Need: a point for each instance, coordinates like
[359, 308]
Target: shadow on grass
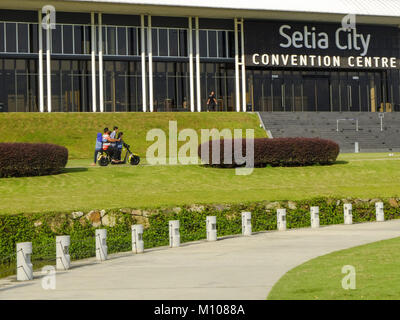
[73, 170]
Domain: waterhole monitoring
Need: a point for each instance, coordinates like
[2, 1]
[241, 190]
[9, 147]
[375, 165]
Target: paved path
[232, 268]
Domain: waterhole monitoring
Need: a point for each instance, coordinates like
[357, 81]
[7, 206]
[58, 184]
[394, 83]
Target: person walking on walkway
[211, 102]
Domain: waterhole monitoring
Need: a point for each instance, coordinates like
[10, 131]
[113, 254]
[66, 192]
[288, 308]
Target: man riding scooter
[107, 141]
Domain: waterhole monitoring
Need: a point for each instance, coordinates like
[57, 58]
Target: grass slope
[77, 131]
[377, 275]
[87, 188]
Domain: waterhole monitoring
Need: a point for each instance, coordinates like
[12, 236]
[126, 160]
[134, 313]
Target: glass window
[121, 40]
[221, 44]
[133, 42]
[68, 40]
[212, 43]
[183, 45]
[154, 41]
[33, 38]
[56, 39]
[231, 44]
[173, 42]
[78, 39]
[203, 43]
[2, 37]
[11, 41]
[23, 37]
[163, 44]
[87, 36]
[111, 41]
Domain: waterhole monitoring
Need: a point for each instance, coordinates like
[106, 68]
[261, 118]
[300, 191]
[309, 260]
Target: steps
[324, 125]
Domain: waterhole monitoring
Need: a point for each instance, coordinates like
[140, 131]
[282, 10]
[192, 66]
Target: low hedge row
[31, 159]
[41, 229]
[273, 152]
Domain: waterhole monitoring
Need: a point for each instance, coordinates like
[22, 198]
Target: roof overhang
[192, 8]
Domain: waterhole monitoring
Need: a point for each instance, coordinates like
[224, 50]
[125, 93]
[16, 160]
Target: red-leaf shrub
[31, 159]
[277, 152]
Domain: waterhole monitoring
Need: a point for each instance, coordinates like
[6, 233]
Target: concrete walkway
[232, 268]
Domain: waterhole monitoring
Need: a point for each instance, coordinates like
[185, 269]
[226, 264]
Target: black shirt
[211, 97]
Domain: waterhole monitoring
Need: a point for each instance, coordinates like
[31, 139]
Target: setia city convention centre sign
[316, 45]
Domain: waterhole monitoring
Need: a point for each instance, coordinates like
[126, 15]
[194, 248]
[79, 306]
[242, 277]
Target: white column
[191, 71]
[380, 215]
[101, 244]
[281, 217]
[150, 51]
[237, 67]
[93, 63]
[246, 223]
[174, 234]
[24, 265]
[348, 213]
[48, 63]
[243, 69]
[198, 65]
[143, 54]
[40, 33]
[314, 213]
[137, 238]
[101, 78]
[63, 261]
[211, 225]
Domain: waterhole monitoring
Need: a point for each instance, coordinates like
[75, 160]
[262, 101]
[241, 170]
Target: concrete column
[101, 244]
[243, 65]
[237, 77]
[191, 71]
[198, 82]
[314, 212]
[48, 63]
[150, 54]
[174, 235]
[137, 238]
[380, 215]
[143, 55]
[24, 265]
[40, 80]
[211, 225]
[281, 218]
[93, 60]
[62, 252]
[348, 213]
[246, 223]
[101, 69]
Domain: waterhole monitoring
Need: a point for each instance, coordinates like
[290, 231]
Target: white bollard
[101, 244]
[137, 238]
[24, 265]
[281, 217]
[356, 147]
[380, 215]
[211, 224]
[314, 211]
[246, 223]
[348, 213]
[63, 261]
[174, 235]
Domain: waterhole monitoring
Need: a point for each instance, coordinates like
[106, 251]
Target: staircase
[369, 136]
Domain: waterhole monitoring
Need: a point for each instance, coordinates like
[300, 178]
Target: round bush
[274, 152]
[31, 159]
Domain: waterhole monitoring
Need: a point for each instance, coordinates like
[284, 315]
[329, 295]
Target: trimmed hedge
[277, 152]
[42, 228]
[31, 159]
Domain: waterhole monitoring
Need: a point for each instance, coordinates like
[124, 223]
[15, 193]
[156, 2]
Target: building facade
[64, 56]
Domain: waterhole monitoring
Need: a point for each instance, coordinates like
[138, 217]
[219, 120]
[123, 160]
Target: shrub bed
[31, 159]
[273, 152]
[41, 229]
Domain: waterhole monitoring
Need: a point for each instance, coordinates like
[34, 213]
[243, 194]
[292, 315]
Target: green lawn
[82, 187]
[77, 131]
[377, 275]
